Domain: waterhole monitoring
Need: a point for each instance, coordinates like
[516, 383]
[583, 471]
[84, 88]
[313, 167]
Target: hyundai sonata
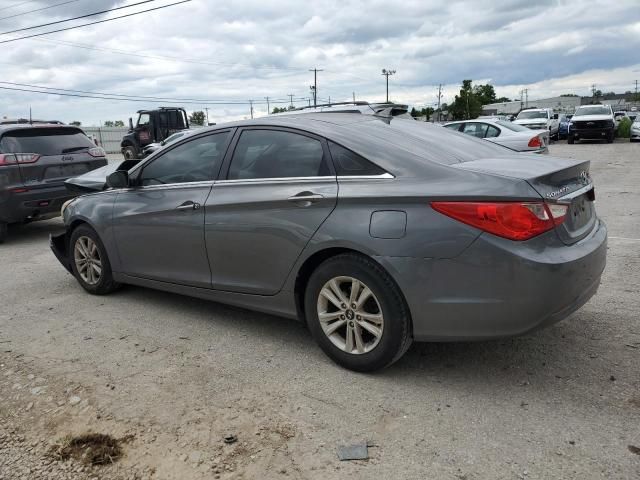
[374, 231]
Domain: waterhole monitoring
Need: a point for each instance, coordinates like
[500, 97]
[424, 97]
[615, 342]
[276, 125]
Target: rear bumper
[498, 288]
[34, 204]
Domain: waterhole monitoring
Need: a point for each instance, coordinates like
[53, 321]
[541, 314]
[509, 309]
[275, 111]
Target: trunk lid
[557, 180]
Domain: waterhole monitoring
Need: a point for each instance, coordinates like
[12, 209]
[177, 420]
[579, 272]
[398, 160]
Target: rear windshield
[528, 115]
[45, 141]
[512, 126]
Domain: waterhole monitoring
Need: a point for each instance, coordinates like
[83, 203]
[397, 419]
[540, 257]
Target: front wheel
[570, 140]
[610, 137]
[90, 263]
[129, 153]
[357, 313]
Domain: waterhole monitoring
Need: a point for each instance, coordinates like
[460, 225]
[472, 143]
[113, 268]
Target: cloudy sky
[230, 52]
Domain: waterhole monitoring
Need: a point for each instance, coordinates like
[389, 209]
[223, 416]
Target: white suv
[539, 119]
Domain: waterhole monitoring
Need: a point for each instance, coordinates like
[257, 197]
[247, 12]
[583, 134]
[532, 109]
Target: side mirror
[118, 179]
[130, 123]
[555, 116]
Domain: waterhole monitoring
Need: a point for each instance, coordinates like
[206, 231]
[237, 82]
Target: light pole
[388, 73]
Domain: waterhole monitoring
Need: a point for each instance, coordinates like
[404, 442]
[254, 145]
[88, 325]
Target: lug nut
[341, 317]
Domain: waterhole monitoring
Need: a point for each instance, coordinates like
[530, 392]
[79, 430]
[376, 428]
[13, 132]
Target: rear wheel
[129, 153]
[357, 313]
[90, 263]
[3, 232]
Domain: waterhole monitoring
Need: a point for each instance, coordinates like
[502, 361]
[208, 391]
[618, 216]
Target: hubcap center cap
[349, 314]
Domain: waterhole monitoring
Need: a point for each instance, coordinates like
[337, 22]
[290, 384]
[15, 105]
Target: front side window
[277, 154]
[144, 119]
[195, 161]
[453, 126]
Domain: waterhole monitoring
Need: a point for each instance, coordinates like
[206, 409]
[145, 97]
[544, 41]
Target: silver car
[375, 232]
[635, 130]
[510, 135]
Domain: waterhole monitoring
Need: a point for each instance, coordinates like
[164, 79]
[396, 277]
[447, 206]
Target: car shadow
[32, 231]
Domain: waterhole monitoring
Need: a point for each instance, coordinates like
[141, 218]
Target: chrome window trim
[332, 178]
[168, 186]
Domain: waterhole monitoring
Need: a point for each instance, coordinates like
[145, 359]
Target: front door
[159, 224]
[278, 190]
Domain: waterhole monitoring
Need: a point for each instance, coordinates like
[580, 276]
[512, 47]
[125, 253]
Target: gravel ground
[175, 375]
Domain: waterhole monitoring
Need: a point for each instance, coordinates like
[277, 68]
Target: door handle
[189, 206]
[306, 197]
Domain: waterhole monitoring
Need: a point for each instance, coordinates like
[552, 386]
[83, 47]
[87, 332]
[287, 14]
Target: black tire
[570, 140]
[396, 334]
[129, 153]
[3, 232]
[610, 137]
[105, 284]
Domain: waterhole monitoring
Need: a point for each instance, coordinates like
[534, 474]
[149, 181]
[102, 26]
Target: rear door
[278, 188]
[50, 155]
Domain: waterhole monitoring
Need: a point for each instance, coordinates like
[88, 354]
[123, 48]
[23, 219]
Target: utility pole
[206, 109]
[309, 100]
[521, 96]
[593, 90]
[268, 106]
[290, 95]
[526, 97]
[635, 97]
[388, 73]
[315, 84]
[354, 93]
[439, 98]
[251, 104]
[329, 99]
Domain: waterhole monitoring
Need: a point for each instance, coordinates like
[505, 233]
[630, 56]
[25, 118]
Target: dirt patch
[90, 449]
[634, 449]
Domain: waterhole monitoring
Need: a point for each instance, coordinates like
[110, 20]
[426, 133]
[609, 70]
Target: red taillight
[535, 142]
[512, 220]
[97, 152]
[15, 158]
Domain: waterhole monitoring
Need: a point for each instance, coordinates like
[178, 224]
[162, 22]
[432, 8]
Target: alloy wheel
[350, 315]
[87, 258]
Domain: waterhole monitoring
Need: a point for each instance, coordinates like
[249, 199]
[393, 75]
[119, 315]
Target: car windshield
[527, 115]
[514, 127]
[173, 138]
[599, 110]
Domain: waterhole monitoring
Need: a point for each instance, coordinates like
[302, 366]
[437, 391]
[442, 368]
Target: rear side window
[45, 141]
[277, 154]
[348, 163]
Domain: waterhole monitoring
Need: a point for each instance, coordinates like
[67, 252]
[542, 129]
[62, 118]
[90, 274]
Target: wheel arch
[314, 260]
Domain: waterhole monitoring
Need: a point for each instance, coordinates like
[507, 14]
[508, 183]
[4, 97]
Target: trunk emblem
[67, 158]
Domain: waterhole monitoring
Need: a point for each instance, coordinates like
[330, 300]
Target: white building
[558, 104]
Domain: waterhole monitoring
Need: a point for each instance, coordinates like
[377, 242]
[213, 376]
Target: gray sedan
[505, 133]
[374, 232]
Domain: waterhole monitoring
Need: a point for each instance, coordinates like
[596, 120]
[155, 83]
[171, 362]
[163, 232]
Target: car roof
[25, 126]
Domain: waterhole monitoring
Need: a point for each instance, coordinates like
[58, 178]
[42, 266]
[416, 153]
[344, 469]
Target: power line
[16, 5]
[140, 99]
[94, 23]
[39, 9]
[77, 18]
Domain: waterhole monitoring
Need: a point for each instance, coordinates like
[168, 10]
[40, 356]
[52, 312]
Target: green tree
[118, 123]
[108, 123]
[76, 123]
[466, 105]
[485, 94]
[197, 118]
[597, 93]
[414, 113]
[279, 109]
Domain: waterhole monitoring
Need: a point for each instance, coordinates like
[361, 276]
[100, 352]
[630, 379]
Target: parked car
[505, 133]
[563, 126]
[152, 147]
[374, 231]
[594, 122]
[385, 109]
[635, 130]
[35, 160]
[539, 119]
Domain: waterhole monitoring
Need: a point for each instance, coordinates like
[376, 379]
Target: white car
[505, 133]
[635, 130]
[539, 119]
